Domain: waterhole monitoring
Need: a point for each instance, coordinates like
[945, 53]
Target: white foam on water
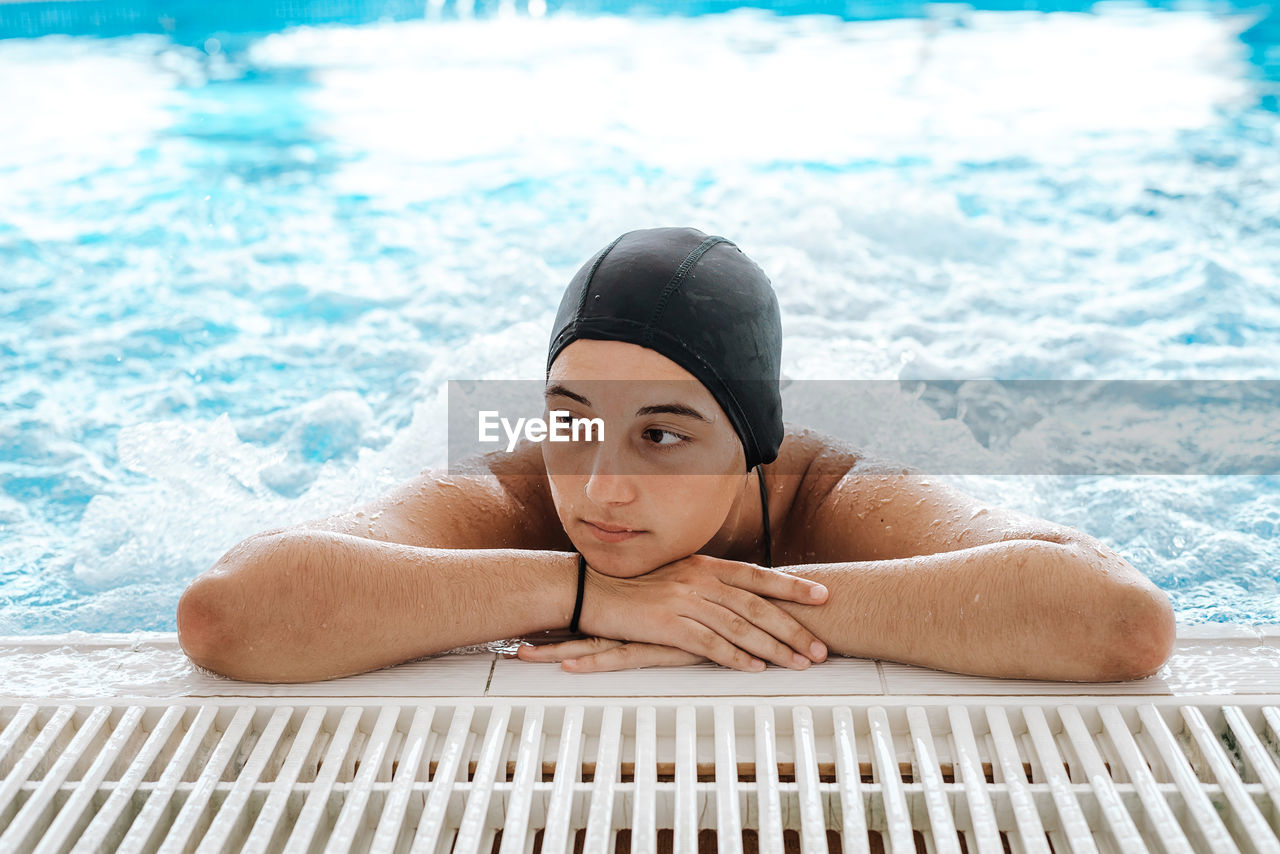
[1023, 196]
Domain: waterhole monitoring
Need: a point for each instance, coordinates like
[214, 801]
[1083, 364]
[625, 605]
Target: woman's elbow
[203, 632]
[1146, 631]
[221, 610]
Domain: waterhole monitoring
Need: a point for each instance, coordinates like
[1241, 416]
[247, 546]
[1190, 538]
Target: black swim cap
[699, 301]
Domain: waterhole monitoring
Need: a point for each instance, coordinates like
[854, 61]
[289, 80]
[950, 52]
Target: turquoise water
[238, 267]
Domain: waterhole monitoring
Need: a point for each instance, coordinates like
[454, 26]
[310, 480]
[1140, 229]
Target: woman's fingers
[711, 644]
[752, 633]
[718, 649]
[778, 584]
[704, 606]
[629, 656]
[744, 591]
[566, 649]
[782, 628]
[593, 655]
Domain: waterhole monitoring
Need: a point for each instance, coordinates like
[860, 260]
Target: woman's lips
[611, 536]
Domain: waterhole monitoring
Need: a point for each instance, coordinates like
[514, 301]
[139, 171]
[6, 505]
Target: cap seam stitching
[586, 286]
[677, 279]
[582, 300]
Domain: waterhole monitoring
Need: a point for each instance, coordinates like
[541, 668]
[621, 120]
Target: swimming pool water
[237, 268]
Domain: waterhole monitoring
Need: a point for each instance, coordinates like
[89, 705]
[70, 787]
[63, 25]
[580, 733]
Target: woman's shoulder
[493, 501]
[852, 506]
[809, 464]
[811, 461]
[528, 516]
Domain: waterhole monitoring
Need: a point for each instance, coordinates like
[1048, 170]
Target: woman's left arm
[921, 573]
[1019, 609]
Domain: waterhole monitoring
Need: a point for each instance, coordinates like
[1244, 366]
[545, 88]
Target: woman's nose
[608, 483]
[608, 489]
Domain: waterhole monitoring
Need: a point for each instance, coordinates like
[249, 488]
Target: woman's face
[670, 465]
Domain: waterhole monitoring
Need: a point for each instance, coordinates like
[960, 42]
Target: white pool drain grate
[600, 776]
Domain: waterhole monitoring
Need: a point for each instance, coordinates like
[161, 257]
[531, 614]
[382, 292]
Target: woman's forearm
[1025, 609]
[312, 605]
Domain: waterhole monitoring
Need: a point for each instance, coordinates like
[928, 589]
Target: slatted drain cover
[648, 775]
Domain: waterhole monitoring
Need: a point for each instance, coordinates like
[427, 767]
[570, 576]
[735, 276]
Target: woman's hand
[706, 607]
[596, 655]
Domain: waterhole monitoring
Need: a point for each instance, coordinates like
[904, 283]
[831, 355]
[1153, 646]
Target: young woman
[657, 541]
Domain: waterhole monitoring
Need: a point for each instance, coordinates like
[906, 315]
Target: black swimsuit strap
[764, 506]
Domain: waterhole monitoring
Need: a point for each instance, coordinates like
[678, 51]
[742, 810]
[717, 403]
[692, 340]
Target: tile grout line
[493, 665]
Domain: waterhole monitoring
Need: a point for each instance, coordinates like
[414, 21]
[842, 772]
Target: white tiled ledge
[1207, 660]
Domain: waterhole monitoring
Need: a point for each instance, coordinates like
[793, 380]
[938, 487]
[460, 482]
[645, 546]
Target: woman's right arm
[305, 605]
[416, 573]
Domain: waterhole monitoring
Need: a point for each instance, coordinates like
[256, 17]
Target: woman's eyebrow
[558, 389]
[653, 409]
[673, 409]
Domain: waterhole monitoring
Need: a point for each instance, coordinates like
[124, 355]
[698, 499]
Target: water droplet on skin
[977, 513]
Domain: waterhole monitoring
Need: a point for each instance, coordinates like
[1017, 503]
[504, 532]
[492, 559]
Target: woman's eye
[678, 438]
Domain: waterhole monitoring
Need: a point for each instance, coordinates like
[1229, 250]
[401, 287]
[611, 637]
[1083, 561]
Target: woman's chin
[615, 571]
[616, 568]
